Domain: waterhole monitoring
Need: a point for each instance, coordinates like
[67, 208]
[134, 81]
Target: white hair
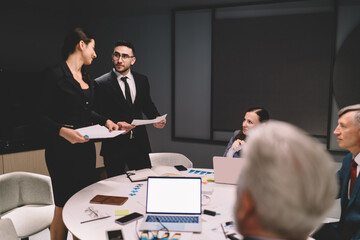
[290, 177]
[352, 108]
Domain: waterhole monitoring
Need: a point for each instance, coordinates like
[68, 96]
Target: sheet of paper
[97, 131]
[138, 122]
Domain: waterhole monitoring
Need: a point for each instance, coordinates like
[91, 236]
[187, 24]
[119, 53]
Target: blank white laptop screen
[173, 195]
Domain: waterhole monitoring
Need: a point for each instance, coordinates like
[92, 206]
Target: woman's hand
[237, 145]
[72, 136]
[125, 126]
[111, 125]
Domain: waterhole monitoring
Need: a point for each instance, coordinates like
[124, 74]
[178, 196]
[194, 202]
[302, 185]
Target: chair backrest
[23, 188]
[169, 159]
[7, 230]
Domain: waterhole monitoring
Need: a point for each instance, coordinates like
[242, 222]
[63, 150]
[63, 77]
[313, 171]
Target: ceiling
[124, 7]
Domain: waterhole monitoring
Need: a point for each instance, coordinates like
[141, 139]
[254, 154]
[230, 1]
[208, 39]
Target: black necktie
[127, 91]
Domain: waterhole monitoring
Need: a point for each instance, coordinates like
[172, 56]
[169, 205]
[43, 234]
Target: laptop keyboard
[172, 219]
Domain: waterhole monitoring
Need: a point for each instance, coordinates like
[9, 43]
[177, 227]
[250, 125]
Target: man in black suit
[124, 95]
[286, 186]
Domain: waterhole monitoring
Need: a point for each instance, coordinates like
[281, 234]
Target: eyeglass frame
[92, 212]
[117, 56]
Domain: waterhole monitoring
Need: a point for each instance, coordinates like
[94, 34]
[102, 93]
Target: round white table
[216, 197]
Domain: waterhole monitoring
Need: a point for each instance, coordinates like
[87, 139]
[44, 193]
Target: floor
[45, 235]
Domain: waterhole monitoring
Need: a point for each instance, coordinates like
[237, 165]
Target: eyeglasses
[92, 212]
[117, 56]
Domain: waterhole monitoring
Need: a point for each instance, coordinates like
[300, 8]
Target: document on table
[138, 122]
[97, 131]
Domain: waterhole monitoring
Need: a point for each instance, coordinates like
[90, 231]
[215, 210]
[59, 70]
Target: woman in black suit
[66, 104]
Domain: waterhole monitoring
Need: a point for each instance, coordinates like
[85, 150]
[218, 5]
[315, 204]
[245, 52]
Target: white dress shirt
[130, 80]
[357, 160]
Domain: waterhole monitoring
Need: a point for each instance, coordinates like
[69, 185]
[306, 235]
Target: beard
[121, 70]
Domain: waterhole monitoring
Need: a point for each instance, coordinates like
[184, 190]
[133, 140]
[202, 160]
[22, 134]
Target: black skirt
[71, 166]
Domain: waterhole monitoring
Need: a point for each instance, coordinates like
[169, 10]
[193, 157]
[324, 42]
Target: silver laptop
[227, 169]
[173, 204]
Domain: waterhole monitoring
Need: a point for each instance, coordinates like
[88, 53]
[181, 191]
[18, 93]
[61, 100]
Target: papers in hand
[138, 122]
[97, 131]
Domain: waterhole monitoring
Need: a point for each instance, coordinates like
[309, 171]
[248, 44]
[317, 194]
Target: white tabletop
[216, 197]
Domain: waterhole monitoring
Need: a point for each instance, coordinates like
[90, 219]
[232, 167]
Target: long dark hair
[72, 39]
[263, 116]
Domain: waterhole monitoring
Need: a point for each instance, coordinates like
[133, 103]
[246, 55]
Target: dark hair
[72, 39]
[126, 44]
[261, 112]
[263, 116]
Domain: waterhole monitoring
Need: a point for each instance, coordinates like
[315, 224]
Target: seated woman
[252, 118]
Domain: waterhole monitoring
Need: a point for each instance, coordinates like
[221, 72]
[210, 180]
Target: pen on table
[95, 219]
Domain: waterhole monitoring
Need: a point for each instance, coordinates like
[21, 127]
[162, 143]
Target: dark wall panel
[280, 62]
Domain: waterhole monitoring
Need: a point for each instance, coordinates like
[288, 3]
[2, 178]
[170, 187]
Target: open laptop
[173, 203]
[227, 169]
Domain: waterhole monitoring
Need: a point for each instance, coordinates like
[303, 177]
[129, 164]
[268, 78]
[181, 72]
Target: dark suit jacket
[110, 102]
[63, 102]
[350, 209]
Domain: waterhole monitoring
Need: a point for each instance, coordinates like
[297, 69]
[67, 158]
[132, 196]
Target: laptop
[173, 204]
[227, 169]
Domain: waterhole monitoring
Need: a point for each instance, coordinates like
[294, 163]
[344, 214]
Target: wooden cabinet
[1, 165]
[31, 161]
[34, 161]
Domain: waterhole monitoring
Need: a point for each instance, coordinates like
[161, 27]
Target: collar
[119, 75]
[357, 159]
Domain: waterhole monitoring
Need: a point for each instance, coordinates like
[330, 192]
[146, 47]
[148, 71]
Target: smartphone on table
[180, 167]
[114, 234]
[129, 218]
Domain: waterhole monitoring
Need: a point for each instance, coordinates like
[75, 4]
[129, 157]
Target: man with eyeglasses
[124, 95]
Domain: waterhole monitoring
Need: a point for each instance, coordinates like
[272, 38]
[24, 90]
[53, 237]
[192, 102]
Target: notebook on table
[173, 204]
[227, 169]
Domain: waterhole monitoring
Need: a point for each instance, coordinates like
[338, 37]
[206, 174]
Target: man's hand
[125, 126]
[72, 136]
[160, 124]
[111, 125]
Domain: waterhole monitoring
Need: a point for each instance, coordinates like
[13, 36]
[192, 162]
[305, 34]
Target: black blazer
[110, 102]
[63, 102]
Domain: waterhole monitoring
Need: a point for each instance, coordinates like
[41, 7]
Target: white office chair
[335, 211]
[7, 230]
[169, 159]
[26, 199]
